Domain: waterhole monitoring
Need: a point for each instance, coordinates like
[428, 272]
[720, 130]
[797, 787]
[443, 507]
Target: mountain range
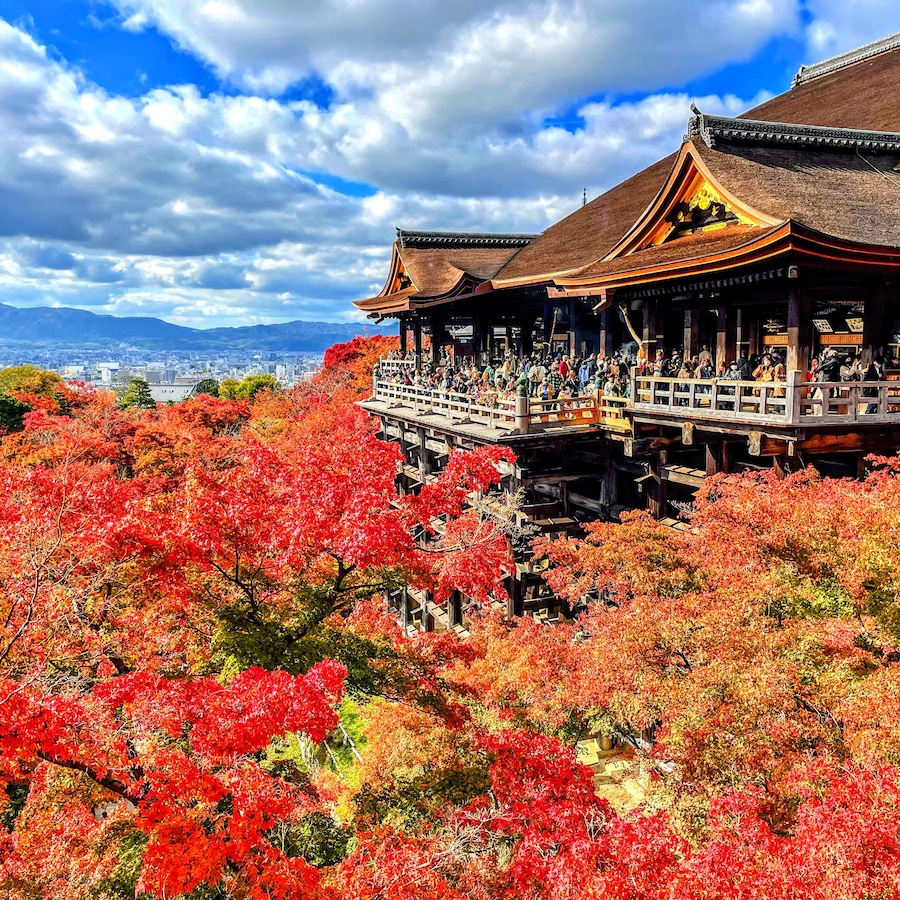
[59, 325]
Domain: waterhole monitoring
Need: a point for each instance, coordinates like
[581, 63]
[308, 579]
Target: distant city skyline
[239, 162]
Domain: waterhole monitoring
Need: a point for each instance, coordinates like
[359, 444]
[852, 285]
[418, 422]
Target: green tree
[29, 379]
[228, 389]
[138, 395]
[208, 386]
[248, 387]
[253, 384]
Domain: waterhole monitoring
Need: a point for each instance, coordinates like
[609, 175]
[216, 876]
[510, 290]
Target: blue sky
[229, 162]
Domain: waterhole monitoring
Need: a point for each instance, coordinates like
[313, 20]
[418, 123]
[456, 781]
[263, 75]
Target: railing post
[793, 402]
[523, 414]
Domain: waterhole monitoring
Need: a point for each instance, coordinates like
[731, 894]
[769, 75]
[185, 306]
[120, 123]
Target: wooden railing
[747, 400]
[520, 414]
[792, 402]
[494, 413]
[389, 367]
[853, 402]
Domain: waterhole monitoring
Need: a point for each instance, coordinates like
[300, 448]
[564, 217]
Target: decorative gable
[401, 281]
[702, 209]
[690, 202]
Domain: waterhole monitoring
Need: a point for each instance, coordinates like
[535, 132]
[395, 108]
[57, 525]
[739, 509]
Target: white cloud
[217, 210]
[837, 25]
[120, 204]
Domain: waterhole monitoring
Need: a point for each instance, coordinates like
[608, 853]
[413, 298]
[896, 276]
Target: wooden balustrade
[792, 402]
[521, 414]
[388, 367]
[496, 413]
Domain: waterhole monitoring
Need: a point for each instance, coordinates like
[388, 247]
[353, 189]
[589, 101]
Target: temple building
[774, 232]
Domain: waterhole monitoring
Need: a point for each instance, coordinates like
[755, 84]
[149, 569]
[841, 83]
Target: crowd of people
[540, 376]
[547, 376]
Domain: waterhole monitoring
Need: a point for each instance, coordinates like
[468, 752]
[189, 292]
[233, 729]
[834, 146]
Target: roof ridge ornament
[849, 58]
[461, 239]
[715, 129]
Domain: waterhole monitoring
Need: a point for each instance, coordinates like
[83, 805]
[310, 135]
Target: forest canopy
[203, 695]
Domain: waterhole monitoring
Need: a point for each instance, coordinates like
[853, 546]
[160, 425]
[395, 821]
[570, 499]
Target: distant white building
[107, 370]
[172, 393]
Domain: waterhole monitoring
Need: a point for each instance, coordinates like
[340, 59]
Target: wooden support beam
[724, 334]
[525, 327]
[873, 324]
[741, 342]
[691, 333]
[405, 608]
[607, 336]
[799, 329]
[427, 617]
[454, 608]
[564, 497]
[417, 341]
[656, 487]
[648, 332]
[437, 333]
[642, 446]
[515, 598]
[683, 475]
[714, 457]
[687, 434]
[850, 442]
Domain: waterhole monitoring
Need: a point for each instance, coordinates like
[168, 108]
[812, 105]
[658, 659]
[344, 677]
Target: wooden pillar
[660, 342]
[648, 333]
[405, 608]
[454, 608]
[487, 334]
[515, 603]
[741, 342]
[724, 335]
[608, 319]
[753, 333]
[573, 348]
[714, 457]
[509, 339]
[424, 461]
[547, 329]
[526, 327]
[726, 457]
[691, 333]
[417, 338]
[477, 329]
[402, 336]
[656, 493]
[437, 332]
[799, 329]
[873, 324]
[609, 483]
[564, 498]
